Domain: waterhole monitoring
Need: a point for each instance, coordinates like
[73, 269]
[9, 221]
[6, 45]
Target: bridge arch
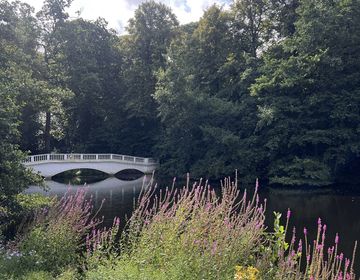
[129, 174]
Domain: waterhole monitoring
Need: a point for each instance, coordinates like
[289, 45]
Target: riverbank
[188, 233]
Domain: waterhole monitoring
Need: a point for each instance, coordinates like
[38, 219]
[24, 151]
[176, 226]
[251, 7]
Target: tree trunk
[47, 132]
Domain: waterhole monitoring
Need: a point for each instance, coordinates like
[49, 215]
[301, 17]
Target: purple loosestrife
[194, 225]
[73, 209]
[320, 264]
[57, 234]
[102, 243]
[196, 233]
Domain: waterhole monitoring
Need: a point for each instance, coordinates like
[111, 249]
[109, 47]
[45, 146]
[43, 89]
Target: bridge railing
[87, 157]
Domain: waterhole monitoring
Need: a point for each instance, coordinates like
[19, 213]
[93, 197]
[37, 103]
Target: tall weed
[52, 240]
[189, 233]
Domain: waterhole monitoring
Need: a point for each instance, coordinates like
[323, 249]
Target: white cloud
[118, 12]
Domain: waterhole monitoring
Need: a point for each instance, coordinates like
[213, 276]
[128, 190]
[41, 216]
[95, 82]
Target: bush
[31, 203]
[53, 239]
[51, 247]
[299, 260]
[19, 208]
[37, 275]
[186, 234]
[193, 233]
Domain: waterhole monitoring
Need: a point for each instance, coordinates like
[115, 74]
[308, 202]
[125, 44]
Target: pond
[340, 212]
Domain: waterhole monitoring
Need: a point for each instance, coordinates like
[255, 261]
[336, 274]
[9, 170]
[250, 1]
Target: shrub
[54, 238]
[301, 260]
[37, 275]
[70, 273]
[19, 208]
[190, 233]
[31, 203]
[193, 233]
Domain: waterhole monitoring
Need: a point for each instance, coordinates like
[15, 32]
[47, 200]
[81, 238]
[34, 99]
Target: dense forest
[268, 87]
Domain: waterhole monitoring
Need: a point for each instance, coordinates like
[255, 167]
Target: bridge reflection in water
[118, 195]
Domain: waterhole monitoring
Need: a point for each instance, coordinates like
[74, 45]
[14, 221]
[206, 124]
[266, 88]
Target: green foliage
[51, 241]
[196, 236]
[207, 114]
[14, 177]
[37, 275]
[93, 68]
[268, 87]
[298, 127]
[308, 85]
[69, 274]
[191, 233]
[13, 269]
[151, 31]
[279, 234]
[51, 247]
[32, 202]
[19, 207]
[300, 172]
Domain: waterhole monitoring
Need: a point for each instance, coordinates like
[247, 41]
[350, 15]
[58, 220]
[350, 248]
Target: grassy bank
[188, 233]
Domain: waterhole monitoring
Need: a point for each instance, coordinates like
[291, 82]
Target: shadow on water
[129, 175]
[80, 176]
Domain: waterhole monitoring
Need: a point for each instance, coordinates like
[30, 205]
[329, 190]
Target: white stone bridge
[49, 165]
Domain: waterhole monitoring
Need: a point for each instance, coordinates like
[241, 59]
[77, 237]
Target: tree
[14, 177]
[15, 78]
[93, 64]
[52, 18]
[309, 91]
[204, 103]
[145, 52]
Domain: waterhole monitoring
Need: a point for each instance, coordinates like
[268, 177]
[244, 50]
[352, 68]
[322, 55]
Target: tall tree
[204, 101]
[309, 94]
[17, 50]
[93, 67]
[145, 52]
[52, 18]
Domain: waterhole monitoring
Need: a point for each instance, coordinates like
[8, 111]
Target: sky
[118, 12]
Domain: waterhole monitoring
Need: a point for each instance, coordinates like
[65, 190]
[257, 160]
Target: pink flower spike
[288, 214]
[305, 231]
[341, 256]
[213, 249]
[337, 238]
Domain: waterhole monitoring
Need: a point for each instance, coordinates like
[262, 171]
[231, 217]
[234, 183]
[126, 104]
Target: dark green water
[340, 212]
